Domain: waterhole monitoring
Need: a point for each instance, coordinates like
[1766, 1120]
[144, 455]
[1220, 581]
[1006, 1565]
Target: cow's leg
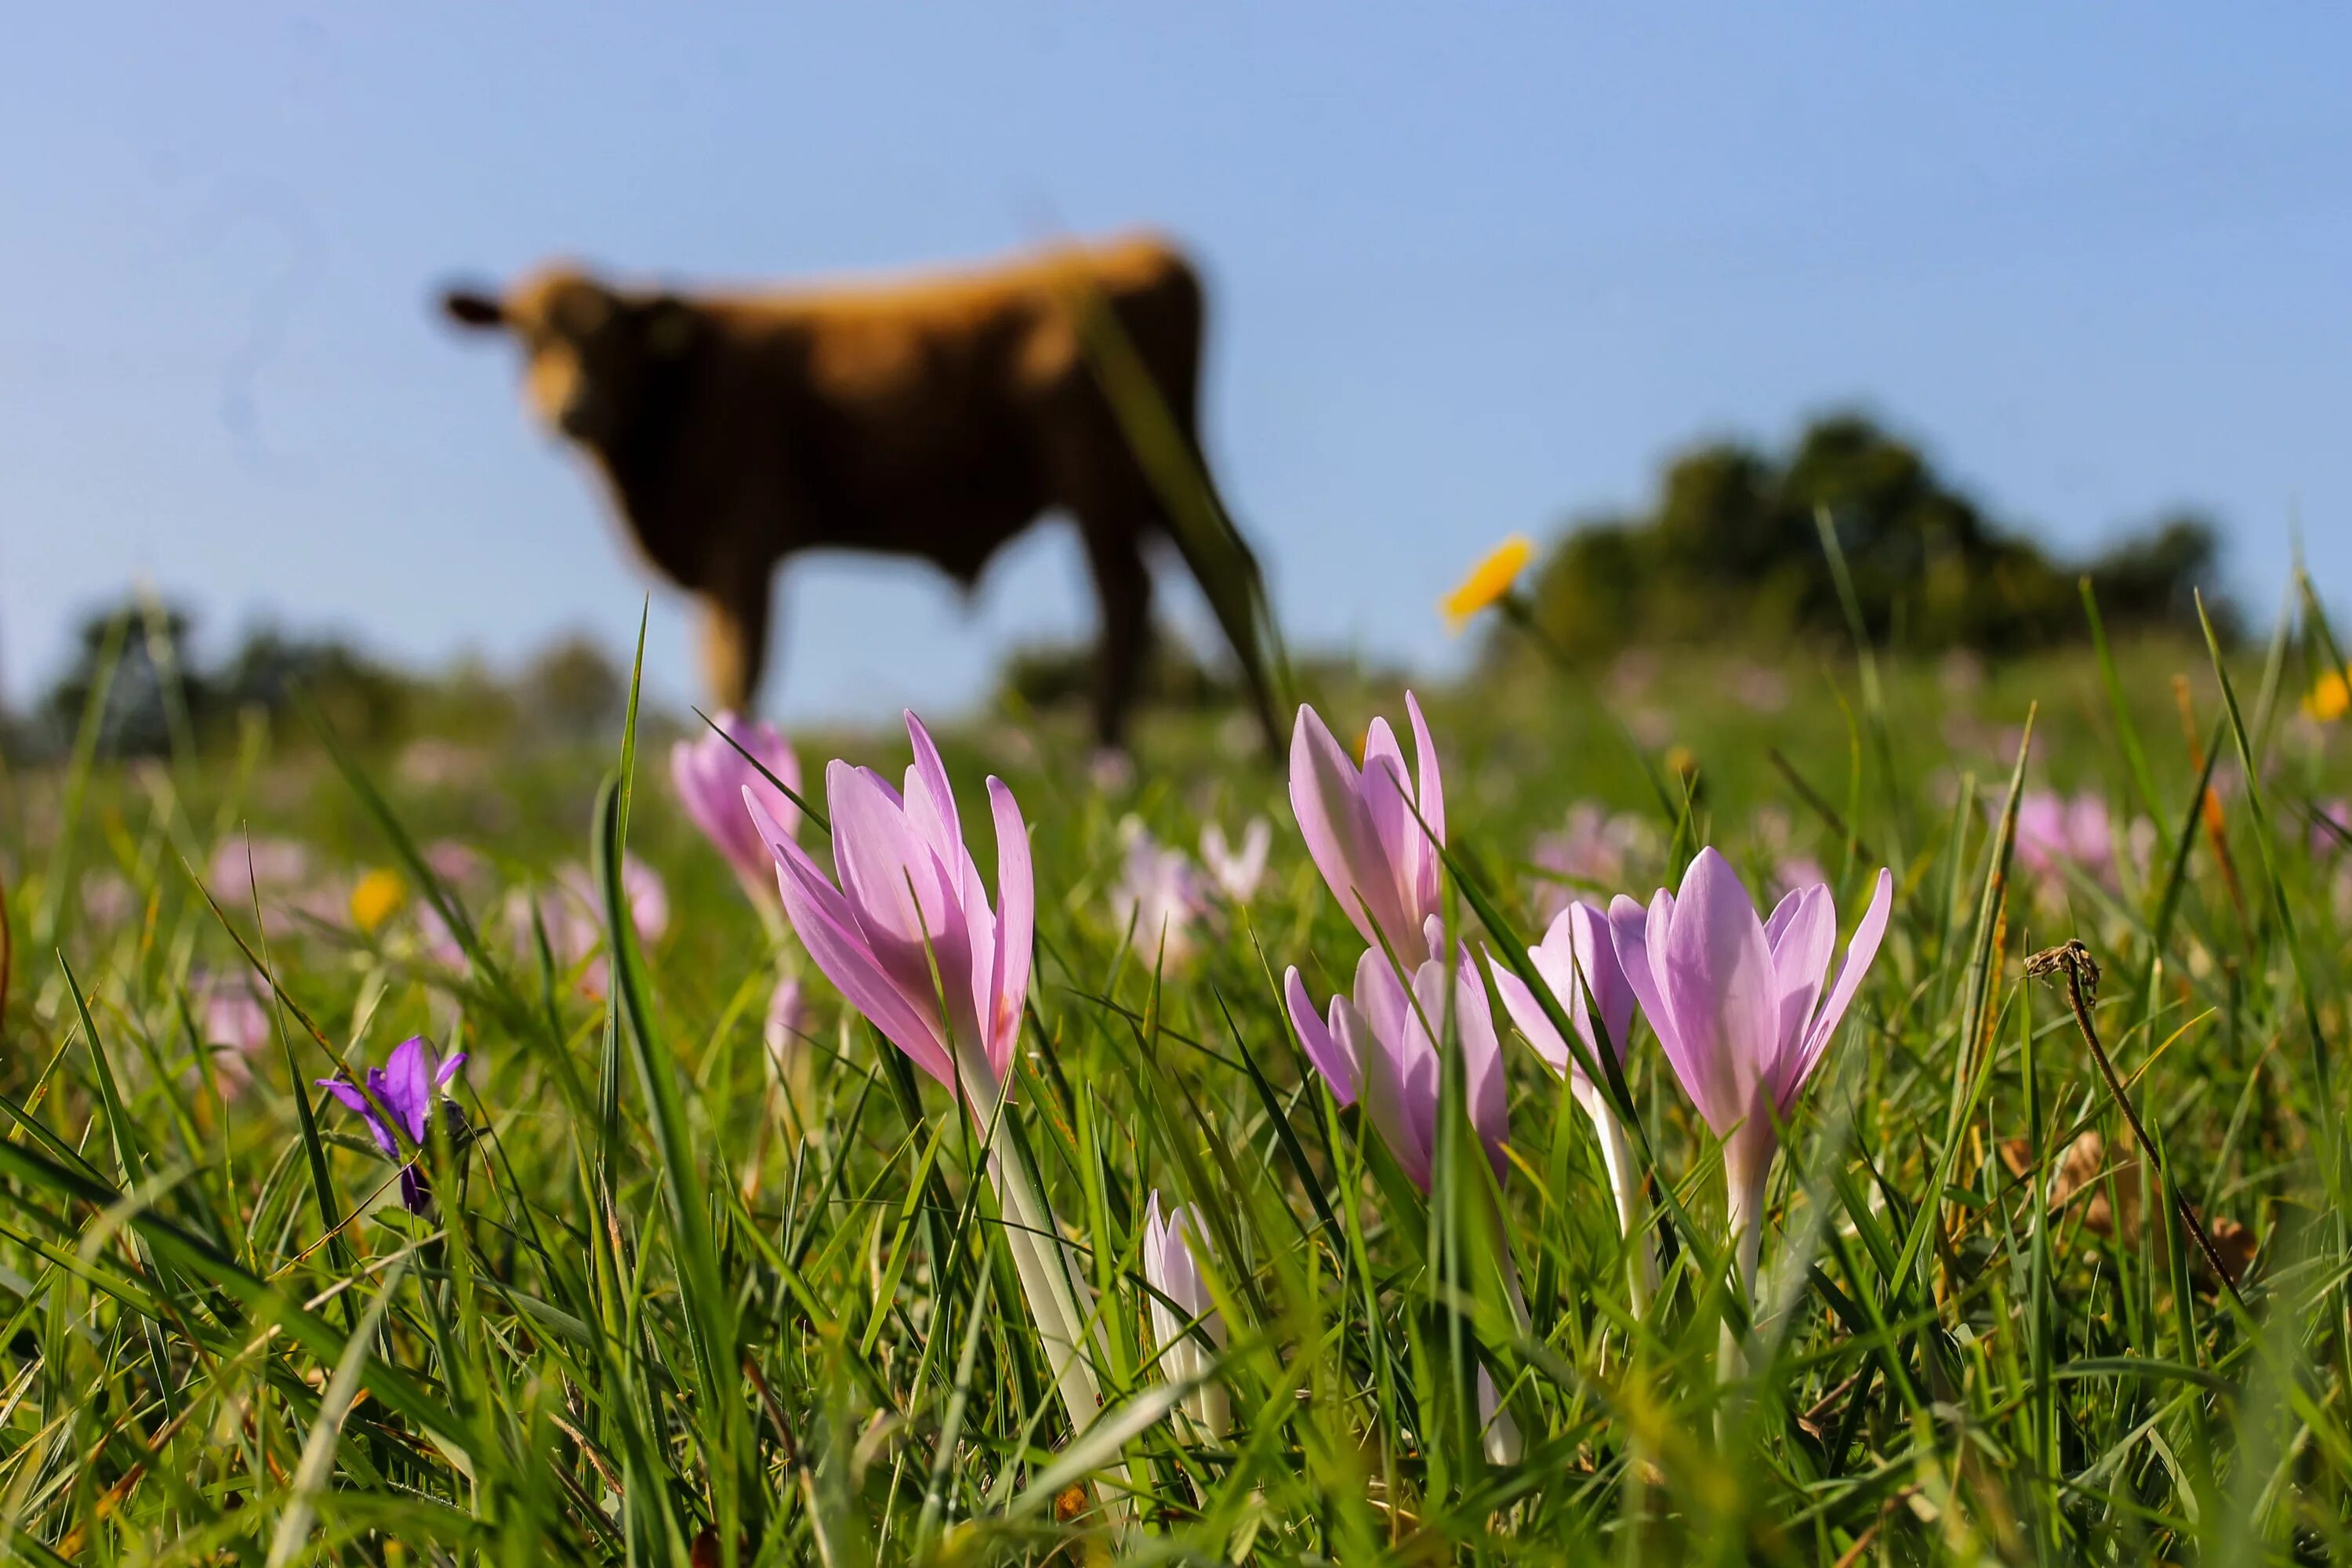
[1123, 589]
[735, 639]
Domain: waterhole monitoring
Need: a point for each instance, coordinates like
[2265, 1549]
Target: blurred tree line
[1732, 549]
[137, 661]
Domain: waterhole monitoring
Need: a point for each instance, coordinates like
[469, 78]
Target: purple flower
[909, 898]
[1171, 1268]
[1376, 1046]
[1372, 831]
[713, 778]
[1737, 1008]
[399, 1098]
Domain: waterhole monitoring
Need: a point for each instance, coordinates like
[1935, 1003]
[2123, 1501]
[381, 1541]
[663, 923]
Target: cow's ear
[468, 308]
[670, 325]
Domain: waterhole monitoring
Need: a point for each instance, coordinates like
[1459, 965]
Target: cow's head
[591, 353]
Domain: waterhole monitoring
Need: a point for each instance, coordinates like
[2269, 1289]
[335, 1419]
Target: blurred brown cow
[934, 417]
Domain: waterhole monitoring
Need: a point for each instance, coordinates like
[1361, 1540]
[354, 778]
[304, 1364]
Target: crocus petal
[1859, 955]
[930, 801]
[1326, 795]
[1431, 799]
[898, 891]
[1388, 796]
[1384, 1031]
[1482, 1059]
[930, 810]
[1604, 976]
[1801, 962]
[1016, 920]
[1432, 795]
[1716, 976]
[1375, 1028]
[1629, 925]
[1519, 1001]
[822, 920]
[449, 1066]
[1325, 1054]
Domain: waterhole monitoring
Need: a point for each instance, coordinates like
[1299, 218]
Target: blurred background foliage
[1731, 551]
[1728, 557]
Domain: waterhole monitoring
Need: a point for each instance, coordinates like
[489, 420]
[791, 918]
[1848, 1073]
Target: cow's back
[937, 415]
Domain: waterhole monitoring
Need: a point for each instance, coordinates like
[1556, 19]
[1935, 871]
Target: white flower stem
[1747, 1165]
[1617, 1159]
[1060, 1303]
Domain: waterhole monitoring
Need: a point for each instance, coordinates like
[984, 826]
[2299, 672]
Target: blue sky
[1475, 269]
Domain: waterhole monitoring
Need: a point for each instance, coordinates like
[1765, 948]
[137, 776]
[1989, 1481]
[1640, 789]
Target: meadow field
[864, 1225]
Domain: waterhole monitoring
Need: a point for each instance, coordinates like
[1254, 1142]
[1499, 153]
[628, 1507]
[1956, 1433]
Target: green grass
[674, 1306]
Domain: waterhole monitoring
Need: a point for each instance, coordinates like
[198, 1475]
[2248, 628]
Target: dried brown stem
[2070, 966]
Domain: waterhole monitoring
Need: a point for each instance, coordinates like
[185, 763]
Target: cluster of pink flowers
[1736, 1002]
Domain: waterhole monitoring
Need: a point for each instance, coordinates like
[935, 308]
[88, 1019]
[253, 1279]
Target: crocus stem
[1746, 1164]
[1058, 1303]
[1617, 1159]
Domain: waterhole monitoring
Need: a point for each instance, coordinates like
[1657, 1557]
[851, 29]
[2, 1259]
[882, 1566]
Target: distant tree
[1732, 549]
[1049, 675]
[573, 689]
[2153, 577]
[364, 701]
[141, 650]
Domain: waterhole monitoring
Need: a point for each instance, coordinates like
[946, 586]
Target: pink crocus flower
[908, 897]
[234, 1022]
[785, 1029]
[1575, 956]
[1592, 851]
[1237, 872]
[2054, 832]
[244, 866]
[1737, 1008]
[907, 934]
[1374, 831]
[1376, 1046]
[713, 780]
[2331, 827]
[1171, 1268]
[408, 1086]
[1159, 897]
[572, 913]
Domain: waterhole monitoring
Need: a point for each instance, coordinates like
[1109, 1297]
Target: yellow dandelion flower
[374, 898]
[1489, 581]
[1682, 762]
[2330, 697]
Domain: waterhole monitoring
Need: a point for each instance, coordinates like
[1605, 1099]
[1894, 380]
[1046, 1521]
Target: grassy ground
[674, 1298]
